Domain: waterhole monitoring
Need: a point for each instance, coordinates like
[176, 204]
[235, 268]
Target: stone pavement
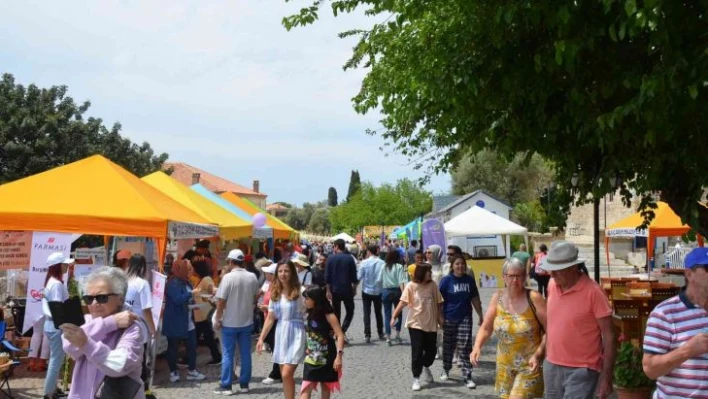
[370, 372]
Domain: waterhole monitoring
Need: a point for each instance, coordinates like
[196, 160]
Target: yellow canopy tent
[231, 226]
[280, 229]
[666, 223]
[96, 196]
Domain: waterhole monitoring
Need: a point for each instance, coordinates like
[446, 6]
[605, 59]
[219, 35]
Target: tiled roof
[441, 201]
[183, 172]
[276, 207]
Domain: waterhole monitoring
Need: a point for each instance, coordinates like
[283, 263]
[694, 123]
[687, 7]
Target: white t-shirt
[138, 297]
[55, 291]
[264, 288]
[239, 289]
[307, 280]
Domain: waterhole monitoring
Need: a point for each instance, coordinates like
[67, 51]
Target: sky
[220, 85]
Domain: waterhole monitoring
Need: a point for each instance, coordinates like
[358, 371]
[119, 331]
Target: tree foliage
[602, 88]
[41, 129]
[519, 179]
[385, 205]
[309, 218]
[354, 184]
[332, 199]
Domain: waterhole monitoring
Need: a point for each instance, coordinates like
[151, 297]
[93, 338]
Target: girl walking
[393, 279]
[460, 293]
[323, 359]
[288, 308]
[424, 316]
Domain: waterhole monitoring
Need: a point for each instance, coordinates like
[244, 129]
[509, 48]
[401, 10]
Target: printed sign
[628, 233]
[43, 245]
[263, 232]
[15, 249]
[97, 256]
[158, 295]
[179, 230]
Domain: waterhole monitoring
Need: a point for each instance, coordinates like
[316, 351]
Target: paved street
[370, 372]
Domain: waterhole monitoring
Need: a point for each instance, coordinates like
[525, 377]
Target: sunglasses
[100, 298]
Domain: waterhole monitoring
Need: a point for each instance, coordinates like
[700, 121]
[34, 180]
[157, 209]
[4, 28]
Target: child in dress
[323, 358]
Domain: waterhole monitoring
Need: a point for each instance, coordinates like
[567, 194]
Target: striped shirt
[671, 324]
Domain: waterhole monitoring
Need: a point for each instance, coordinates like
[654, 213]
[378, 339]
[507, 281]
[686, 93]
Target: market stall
[479, 222]
[96, 196]
[666, 223]
[280, 230]
[344, 236]
[231, 226]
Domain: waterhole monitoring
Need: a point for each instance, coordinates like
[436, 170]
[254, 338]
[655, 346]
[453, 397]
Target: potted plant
[629, 378]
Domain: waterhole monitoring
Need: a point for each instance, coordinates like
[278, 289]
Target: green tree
[599, 87]
[319, 222]
[384, 205]
[519, 179]
[296, 219]
[332, 199]
[354, 184]
[41, 129]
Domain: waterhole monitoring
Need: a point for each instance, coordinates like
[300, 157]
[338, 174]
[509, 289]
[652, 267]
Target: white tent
[478, 222]
[343, 236]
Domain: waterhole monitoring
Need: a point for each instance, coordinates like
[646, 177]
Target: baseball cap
[57, 258]
[123, 254]
[270, 269]
[697, 257]
[236, 254]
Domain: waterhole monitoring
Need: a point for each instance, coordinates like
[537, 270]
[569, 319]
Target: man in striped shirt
[676, 338]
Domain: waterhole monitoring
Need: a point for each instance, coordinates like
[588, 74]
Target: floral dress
[518, 335]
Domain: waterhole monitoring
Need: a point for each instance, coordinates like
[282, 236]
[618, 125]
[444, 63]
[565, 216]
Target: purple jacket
[97, 358]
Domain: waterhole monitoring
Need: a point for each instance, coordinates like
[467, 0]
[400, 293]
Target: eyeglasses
[449, 254]
[100, 298]
[514, 276]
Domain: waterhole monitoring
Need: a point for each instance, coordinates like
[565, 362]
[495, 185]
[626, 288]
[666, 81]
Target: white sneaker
[243, 390]
[469, 383]
[174, 376]
[428, 375]
[223, 391]
[444, 376]
[416, 384]
[194, 375]
[268, 381]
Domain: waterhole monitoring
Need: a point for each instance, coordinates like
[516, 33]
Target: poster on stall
[158, 295]
[15, 249]
[43, 245]
[97, 256]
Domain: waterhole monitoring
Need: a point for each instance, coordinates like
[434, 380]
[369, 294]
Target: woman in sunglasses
[109, 345]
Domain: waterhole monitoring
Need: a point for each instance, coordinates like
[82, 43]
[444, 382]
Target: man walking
[578, 312]
[676, 339]
[371, 288]
[341, 278]
[236, 298]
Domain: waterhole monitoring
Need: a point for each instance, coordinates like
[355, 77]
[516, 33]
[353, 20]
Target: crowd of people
[557, 342]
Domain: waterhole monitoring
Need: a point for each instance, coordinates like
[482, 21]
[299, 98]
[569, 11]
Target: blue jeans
[390, 298]
[230, 337]
[173, 347]
[56, 360]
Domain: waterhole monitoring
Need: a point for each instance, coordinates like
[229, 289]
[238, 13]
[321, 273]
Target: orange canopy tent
[96, 196]
[231, 226]
[280, 229]
[666, 223]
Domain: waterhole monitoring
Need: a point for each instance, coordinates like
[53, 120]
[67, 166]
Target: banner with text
[43, 245]
[434, 234]
[15, 249]
[158, 295]
[178, 231]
